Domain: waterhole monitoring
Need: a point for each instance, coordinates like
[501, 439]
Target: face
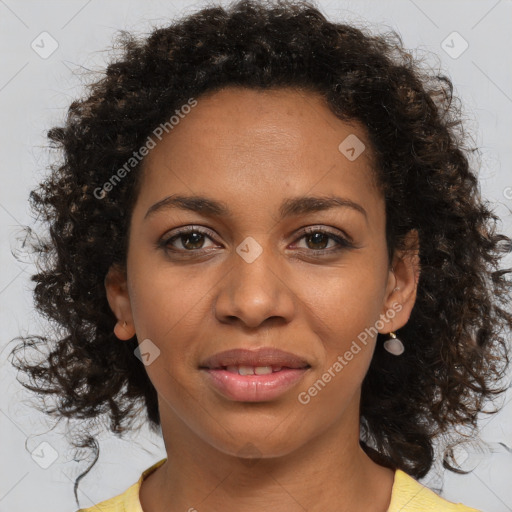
[274, 270]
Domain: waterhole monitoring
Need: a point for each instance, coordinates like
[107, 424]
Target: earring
[124, 330]
[394, 345]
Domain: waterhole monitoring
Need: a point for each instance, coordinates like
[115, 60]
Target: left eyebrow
[290, 206]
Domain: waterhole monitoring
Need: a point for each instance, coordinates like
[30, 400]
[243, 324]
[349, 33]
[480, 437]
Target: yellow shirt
[407, 495]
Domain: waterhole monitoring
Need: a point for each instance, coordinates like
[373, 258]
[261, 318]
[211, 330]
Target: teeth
[263, 370]
[246, 370]
[251, 370]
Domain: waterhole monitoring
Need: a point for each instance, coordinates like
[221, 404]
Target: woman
[265, 230]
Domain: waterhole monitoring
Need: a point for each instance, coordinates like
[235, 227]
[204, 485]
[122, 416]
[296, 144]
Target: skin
[252, 149]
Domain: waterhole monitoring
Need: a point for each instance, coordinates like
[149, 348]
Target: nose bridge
[254, 289]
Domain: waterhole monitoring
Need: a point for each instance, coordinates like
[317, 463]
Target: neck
[329, 473]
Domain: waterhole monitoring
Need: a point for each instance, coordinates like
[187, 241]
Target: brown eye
[317, 240]
[191, 240]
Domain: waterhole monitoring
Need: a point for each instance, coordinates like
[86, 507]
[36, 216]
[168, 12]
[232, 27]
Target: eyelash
[343, 243]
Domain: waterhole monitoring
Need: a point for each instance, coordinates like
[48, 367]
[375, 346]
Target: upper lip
[266, 356]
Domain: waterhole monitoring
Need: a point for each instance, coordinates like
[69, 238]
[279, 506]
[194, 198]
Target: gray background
[36, 88]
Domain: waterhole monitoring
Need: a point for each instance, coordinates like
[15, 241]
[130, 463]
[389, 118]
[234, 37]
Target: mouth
[259, 362]
[253, 370]
[253, 376]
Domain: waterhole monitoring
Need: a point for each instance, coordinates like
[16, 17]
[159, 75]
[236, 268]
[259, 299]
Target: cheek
[344, 311]
[168, 309]
[344, 301]
[164, 298]
[338, 303]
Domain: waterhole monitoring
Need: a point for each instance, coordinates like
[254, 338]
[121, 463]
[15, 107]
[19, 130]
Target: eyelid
[185, 230]
[328, 230]
[343, 240]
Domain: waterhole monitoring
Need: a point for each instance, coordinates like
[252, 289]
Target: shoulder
[124, 502]
[127, 501]
[408, 495]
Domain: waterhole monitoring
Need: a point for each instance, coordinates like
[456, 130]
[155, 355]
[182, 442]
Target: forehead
[280, 119]
[267, 141]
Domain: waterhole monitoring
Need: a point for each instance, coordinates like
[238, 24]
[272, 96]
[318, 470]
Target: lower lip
[254, 388]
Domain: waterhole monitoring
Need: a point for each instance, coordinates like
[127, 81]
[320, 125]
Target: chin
[253, 443]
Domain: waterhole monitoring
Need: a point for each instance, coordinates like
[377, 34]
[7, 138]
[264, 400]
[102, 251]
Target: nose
[256, 292]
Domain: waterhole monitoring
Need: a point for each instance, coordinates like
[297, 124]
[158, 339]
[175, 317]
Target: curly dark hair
[457, 349]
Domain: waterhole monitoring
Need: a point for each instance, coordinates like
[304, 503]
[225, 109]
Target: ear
[119, 301]
[402, 284]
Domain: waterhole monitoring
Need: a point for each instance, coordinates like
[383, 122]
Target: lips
[263, 357]
[253, 375]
